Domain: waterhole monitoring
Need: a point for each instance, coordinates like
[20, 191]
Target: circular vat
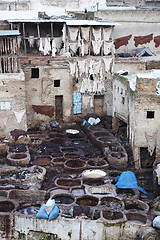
[136, 218]
[97, 128]
[63, 199]
[96, 215]
[71, 155]
[3, 195]
[74, 164]
[136, 205]
[108, 140]
[102, 134]
[112, 202]
[57, 139]
[29, 210]
[112, 215]
[3, 150]
[58, 160]
[77, 191]
[87, 201]
[97, 162]
[20, 159]
[79, 141]
[42, 160]
[66, 183]
[93, 182]
[36, 141]
[7, 206]
[96, 173]
[117, 155]
[102, 190]
[127, 193]
[69, 150]
[72, 131]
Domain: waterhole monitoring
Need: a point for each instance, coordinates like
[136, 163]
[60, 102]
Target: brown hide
[122, 41]
[143, 39]
[46, 110]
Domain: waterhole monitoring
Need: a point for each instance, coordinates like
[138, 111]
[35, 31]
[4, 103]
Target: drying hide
[41, 45]
[19, 115]
[31, 41]
[87, 68]
[91, 67]
[58, 43]
[86, 48]
[19, 41]
[107, 63]
[81, 66]
[97, 66]
[108, 47]
[53, 48]
[94, 90]
[97, 33]
[83, 85]
[106, 33]
[151, 141]
[85, 33]
[47, 46]
[72, 68]
[96, 46]
[73, 33]
[73, 48]
[82, 49]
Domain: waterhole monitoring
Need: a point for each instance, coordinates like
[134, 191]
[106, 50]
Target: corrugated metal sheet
[70, 22]
[90, 23]
[9, 33]
[59, 20]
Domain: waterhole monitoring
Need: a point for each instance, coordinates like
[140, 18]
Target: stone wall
[138, 28]
[12, 102]
[120, 98]
[40, 90]
[14, 5]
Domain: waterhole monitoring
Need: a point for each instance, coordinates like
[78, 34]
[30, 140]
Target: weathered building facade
[136, 102]
[67, 67]
[12, 97]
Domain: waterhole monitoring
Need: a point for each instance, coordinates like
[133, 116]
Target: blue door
[77, 103]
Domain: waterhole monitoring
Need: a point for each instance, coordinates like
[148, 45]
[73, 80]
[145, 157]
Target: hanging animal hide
[107, 63]
[97, 33]
[72, 68]
[85, 33]
[73, 33]
[96, 47]
[151, 141]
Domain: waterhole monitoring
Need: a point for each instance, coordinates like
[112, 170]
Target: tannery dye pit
[83, 186]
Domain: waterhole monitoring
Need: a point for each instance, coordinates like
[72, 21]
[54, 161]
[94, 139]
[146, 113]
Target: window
[5, 105]
[150, 114]
[57, 83]
[123, 100]
[91, 77]
[34, 72]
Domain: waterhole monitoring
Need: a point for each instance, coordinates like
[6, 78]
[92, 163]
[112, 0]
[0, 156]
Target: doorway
[98, 104]
[59, 108]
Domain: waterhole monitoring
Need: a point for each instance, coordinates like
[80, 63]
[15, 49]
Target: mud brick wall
[12, 102]
[147, 85]
[41, 90]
